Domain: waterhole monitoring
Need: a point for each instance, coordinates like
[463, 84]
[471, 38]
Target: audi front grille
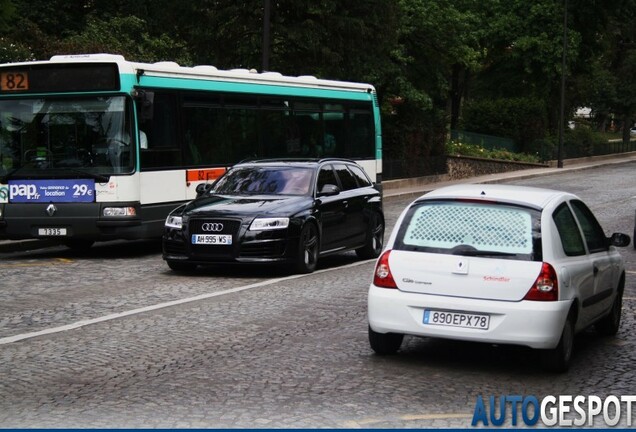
[214, 226]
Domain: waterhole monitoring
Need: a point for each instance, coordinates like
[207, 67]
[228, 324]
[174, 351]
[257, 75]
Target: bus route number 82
[14, 81]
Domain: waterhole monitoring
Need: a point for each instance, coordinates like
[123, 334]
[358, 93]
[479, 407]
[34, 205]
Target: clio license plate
[456, 319]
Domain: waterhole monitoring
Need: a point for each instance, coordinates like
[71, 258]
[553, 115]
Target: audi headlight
[174, 222]
[264, 224]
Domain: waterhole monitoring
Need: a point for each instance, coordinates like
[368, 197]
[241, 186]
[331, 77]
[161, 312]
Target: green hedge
[454, 148]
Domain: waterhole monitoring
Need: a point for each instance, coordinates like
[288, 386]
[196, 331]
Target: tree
[524, 44]
[127, 36]
[11, 49]
[7, 14]
[426, 58]
[621, 64]
[434, 56]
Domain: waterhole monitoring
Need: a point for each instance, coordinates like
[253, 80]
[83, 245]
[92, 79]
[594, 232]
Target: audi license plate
[212, 239]
[456, 319]
[52, 232]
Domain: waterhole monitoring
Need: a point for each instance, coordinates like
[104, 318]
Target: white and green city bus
[94, 147]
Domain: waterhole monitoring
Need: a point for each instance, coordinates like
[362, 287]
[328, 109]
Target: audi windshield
[279, 180]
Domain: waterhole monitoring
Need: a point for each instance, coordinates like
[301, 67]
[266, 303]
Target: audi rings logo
[212, 227]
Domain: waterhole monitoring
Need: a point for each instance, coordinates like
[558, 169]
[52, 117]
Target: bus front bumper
[63, 221]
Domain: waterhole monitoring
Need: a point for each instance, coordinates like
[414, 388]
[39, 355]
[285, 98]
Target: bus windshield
[65, 136]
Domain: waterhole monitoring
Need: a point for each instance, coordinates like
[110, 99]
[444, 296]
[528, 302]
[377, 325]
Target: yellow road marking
[435, 416]
[363, 423]
[53, 262]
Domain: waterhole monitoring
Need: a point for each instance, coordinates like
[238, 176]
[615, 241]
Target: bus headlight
[263, 224]
[119, 211]
[175, 222]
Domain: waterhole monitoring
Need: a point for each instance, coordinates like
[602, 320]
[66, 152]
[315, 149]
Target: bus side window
[361, 136]
[329, 147]
[335, 129]
[162, 147]
[311, 134]
[277, 136]
[203, 130]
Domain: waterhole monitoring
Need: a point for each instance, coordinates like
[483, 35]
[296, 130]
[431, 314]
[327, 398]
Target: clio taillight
[546, 287]
[382, 276]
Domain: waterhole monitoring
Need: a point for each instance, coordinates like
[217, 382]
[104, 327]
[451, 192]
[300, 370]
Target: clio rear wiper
[481, 253]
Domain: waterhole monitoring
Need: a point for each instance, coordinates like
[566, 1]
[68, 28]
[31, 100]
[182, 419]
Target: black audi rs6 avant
[278, 212]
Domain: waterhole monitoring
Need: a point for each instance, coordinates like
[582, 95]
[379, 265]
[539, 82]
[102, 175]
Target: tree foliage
[433, 62]
[7, 14]
[521, 119]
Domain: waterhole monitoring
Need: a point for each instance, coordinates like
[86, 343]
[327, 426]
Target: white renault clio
[497, 264]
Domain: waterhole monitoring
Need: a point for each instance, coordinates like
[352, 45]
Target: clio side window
[592, 231]
[568, 231]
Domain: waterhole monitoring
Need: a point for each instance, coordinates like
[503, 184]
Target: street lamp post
[266, 37]
[563, 75]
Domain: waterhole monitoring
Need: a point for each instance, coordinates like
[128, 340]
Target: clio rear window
[471, 227]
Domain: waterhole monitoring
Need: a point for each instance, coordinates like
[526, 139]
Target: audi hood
[244, 205]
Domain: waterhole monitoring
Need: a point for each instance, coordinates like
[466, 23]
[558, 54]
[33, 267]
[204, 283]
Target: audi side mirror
[203, 188]
[329, 190]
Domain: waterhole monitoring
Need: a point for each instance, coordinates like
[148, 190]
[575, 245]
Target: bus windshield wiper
[5, 178]
[97, 177]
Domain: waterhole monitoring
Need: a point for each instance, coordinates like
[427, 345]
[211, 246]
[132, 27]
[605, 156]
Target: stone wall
[461, 167]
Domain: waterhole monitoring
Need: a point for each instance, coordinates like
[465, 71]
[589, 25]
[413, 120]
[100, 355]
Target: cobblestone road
[260, 349]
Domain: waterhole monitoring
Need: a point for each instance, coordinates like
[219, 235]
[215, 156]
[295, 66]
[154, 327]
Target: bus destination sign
[14, 81]
[66, 77]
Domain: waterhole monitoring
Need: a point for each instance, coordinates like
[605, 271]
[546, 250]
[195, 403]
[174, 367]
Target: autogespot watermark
[560, 411]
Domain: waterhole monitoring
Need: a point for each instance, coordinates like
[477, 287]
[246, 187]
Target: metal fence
[489, 142]
[611, 147]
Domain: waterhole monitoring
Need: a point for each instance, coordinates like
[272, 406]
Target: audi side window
[568, 231]
[347, 179]
[326, 176]
[360, 176]
[592, 231]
